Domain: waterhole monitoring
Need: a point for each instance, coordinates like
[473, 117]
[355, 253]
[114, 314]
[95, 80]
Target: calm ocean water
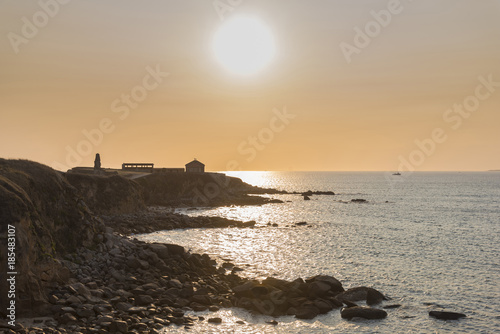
[430, 241]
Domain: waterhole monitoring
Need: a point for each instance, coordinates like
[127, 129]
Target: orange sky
[363, 111]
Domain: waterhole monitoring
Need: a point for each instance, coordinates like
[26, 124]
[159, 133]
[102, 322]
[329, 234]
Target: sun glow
[244, 45]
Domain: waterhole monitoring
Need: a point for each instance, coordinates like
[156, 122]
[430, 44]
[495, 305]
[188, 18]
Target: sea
[427, 240]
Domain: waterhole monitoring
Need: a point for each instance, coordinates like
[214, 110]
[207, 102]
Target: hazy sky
[332, 98]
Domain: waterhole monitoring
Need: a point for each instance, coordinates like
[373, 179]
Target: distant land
[494, 170]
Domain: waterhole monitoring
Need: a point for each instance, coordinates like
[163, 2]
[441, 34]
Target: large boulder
[335, 285]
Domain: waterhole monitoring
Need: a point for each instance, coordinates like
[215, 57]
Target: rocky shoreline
[155, 219]
[127, 286]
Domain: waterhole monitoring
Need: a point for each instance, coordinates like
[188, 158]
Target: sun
[244, 45]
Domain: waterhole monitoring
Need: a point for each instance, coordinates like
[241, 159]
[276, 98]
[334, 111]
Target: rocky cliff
[50, 219]
[108, 194]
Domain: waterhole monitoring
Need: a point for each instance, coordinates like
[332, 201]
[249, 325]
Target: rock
[359, 200]
[73, 300]
[318, 289]
[67, 318]
[227, 265]
[306, 198]
[244, 290]
[136, 309]
[82, 290]
[263, 306]
[323, 306]
[446, 315]
[174, 283]
[392, 306]
[250, 223]
[85, 312]
[197, 307]
[213, 308]
[68, 309]
[123, 306]
[160, 250]
[362, 312]
[175, 249]
[133, 263]
[53, 299]
[92, 286]
[215, 320]
[370, 295]
[272, 322]
[143, 300]
[276, 282]
[120, 326]
[307, 312]
[301, 223]
[105, 319]
[140, 327]
[149, 286]
[201, 299]
[334, 283]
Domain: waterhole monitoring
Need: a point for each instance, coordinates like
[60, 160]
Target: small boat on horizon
[397, 173]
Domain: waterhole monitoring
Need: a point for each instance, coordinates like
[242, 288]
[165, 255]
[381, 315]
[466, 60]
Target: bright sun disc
[244, 45]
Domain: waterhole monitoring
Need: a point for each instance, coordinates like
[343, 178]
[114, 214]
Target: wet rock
[359, 200]
[272, 322]
[197, 307]
[215, 320]
[250, 223]
[362, 312]
[306, 198]
[245, 290]
[307, 312]
[301, 223]
[323, 306]
[392, 306]
[446, 315]
[370, 295]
